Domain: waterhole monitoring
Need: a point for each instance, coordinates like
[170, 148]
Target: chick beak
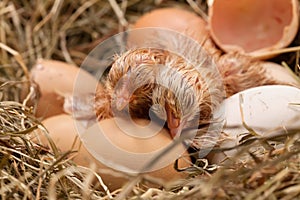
[175, 131]
[174, 124]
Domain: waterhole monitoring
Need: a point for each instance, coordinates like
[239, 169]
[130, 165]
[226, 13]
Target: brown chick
[161, 45]
[129, 83]
[184, 80]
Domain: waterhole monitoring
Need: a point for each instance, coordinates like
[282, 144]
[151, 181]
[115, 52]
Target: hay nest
[68, 31]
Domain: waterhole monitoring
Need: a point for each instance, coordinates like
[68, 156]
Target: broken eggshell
[266, 109]
[128, 146]
[106, 138]
[56, 80]
[253, 27]
[176, 19]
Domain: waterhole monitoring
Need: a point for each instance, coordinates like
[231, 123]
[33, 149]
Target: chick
[183, 80]
[129, 83]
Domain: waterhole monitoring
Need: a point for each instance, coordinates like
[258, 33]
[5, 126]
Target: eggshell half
[265, 108]
[253, 27]
[56, 79]
[64, 129]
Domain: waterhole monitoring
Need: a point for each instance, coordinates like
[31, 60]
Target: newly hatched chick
[129, 83]
[186, 84]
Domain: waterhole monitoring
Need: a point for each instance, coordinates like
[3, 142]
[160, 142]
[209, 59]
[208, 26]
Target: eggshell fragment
[253, 27]
[64, 129]
[129, 146]
[56, 79]
[264, 108]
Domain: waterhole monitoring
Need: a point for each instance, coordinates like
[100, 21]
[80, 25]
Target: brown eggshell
[253, 27]
[63, 131]
[55, 79]
[175, 19]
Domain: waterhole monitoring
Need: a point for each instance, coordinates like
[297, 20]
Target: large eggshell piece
[64, 129]
[253, 27]
[129, 146]
[183, 22]
[264, 108]
[56, 79]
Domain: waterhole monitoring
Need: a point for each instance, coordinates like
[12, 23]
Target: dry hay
[68, 30]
